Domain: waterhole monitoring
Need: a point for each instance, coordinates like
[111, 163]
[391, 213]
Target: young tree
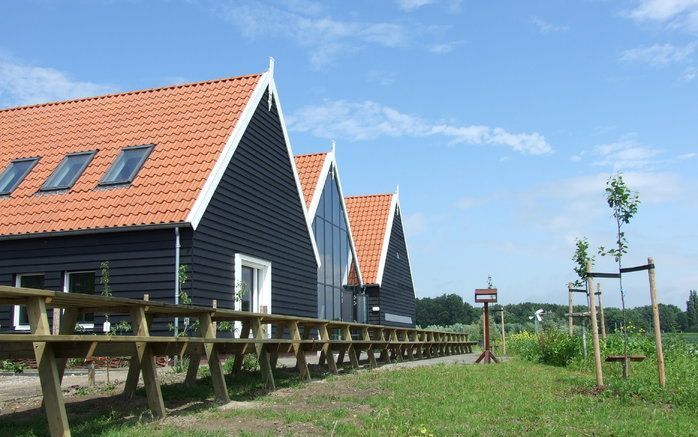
[623, 203]
[581, 257]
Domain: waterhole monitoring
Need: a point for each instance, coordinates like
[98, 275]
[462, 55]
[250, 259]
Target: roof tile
[189, 125]
[368, 217]
[309, 168]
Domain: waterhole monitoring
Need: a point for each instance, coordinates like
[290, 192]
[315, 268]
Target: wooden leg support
[208, 331]
[329, 356]
[298, 350]
[48, 370]
[146, 360]
[263, 354]
[244, 333]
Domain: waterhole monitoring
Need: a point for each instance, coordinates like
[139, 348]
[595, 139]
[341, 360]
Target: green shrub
[558, 348]
[249, 363]
[11, 366]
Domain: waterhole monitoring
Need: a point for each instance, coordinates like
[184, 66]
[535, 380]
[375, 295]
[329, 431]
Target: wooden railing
[291, 335]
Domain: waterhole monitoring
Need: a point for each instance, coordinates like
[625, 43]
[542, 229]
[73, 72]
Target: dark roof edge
[94, 231]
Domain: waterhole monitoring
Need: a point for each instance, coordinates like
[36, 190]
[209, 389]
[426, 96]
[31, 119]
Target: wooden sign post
[486, 296]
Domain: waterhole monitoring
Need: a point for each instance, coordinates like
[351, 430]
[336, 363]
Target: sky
[499, 121]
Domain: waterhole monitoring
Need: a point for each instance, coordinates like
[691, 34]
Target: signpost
[486, 296]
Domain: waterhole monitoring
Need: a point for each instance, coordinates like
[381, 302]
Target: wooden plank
[262, 354]
[207, 330]
[353, 359]
[67, 327]
[369, 350]
[134, 367]
[146, 361]
[274, 357]
[48, 369]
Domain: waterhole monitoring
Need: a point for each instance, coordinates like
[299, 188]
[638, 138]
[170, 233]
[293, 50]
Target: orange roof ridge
[356, 196]
[128, 93]
[303, 155]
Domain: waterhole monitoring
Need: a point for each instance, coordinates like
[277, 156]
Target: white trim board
[397, 318]
[329, 164]
[266, 80]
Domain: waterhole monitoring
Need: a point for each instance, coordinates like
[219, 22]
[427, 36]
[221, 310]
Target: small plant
[14, 367]
[121, 327]
[183, 277]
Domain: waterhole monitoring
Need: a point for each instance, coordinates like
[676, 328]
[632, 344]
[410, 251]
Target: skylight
[68, 171]
[127, 165]
[14, 173]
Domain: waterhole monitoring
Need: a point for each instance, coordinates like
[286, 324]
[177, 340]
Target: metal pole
[594, 329]
[657, 327]
[569, 295]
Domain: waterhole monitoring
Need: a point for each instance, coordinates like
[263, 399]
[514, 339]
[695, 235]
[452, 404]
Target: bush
[249, 363]
[558, 348]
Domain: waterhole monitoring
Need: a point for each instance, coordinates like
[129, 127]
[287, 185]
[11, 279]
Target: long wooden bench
[291, 335]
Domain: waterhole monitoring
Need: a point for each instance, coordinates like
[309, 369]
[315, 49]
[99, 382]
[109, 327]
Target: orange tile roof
[368, 217]
[309, 168]
[189, 125]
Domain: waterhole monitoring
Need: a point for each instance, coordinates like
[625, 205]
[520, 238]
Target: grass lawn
[514, 398]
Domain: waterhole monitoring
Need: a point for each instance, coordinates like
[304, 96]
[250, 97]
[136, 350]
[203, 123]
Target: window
[252, 287]
[83, 283]
[127, 164]
[15, 173]
[68, 171]
[34, 280]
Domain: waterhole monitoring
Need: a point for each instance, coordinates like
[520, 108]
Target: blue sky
[500, 121]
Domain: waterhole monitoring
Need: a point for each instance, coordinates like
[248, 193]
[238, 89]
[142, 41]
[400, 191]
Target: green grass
[513, 398]
[689, 337]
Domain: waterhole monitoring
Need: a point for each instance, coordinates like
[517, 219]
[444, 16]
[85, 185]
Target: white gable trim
[386, 238]
[317, 193]
[214, 178]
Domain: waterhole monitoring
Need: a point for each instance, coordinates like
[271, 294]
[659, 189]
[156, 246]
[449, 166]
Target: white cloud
[544, 27]
[411, 5]
[324, 37]
[443, 48]
[687, 156]
[676, 14]
[380, 77]
[689, 74]
[626, 154]
[414, 223]
[367, 120]
[659, 55]
[24, 84]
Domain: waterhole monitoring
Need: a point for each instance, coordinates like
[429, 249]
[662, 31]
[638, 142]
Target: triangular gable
[313, 171]
[372, 218]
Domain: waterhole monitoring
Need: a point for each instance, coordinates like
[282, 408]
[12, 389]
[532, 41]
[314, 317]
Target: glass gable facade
[332, 237]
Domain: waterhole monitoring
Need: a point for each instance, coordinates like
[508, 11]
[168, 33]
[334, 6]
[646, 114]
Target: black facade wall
[139, 262]
[256, 210]
[397, 291]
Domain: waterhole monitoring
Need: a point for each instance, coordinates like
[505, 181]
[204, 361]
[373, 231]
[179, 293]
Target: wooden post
[504, 335]
[657, 326]
[48, 369]
[274, 357]
[134, 368]
[594, 329]
[351, 351]
[571, 306]
[147, 364]
[244, 333]
[327, 351]
[207, 330]
[369, 349]
[301, 362]
[259, 334]
[603, 320]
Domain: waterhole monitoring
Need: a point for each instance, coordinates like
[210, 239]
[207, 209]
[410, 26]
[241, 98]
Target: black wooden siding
[256, 210]
[139, 262]
[396, 293]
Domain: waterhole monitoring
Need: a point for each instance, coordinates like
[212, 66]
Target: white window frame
[66, 282]
[263, 268]
[15, 316]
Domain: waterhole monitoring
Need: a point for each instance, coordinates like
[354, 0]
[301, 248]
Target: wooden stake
[657, 326]
[504, 335]
[594, 329]
[569, 296]
[603, 320]
[48, 370]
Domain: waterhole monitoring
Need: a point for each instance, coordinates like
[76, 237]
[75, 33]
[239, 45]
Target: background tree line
[449, 309]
